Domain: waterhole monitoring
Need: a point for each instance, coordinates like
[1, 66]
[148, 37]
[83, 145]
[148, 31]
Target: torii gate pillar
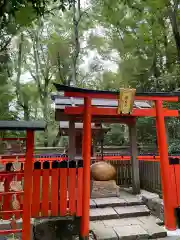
[166, 178]
[134, 160]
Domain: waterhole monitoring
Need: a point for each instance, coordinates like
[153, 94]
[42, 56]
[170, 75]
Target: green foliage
[25, 15]
[59, 50]
[145, 36]
[146, 131]
[139, 38]
[115, 137]
[174, 148]
[142, 36]
[40, 7]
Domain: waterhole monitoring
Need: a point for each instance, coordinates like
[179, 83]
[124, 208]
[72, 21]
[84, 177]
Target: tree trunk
[45, 115]
[76, 20]
[20, 99]
[165, 43]
[173, 20]
[26, 113]
[57, 139]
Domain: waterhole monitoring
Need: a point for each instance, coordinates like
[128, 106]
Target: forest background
[95, 44]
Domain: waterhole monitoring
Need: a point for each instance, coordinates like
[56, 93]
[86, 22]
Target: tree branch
[19, 66]
[4, 47]
[76, 19]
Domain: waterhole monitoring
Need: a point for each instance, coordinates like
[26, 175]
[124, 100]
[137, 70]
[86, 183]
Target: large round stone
[102, 171]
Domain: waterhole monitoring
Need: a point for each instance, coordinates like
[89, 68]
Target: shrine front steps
[115, 218]
[125, 200]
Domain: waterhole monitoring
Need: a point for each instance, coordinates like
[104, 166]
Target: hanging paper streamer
[126, 100]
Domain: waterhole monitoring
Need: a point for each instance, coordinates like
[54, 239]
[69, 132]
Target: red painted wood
[13, 174]
[28, 173]
[172, 186]
[97, 111]
[106, 158]
[63, 191]
[10, 193]
[72, 190]
[36, 193]
[54, 192]
[4, 232]
[19, 177]
[11, 212]
[22, 160]
[84, 231]
[170, 221]
[177, 180]
[79, 192]
[45, 192]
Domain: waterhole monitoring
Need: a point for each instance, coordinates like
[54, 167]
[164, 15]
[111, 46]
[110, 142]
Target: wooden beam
[134, 159]
[72, 139]
[94, 145]
[97, 111]
[61, 116]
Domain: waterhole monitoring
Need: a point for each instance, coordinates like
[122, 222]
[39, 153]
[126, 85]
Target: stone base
[105, 189]
[154, 203]
[57, 228]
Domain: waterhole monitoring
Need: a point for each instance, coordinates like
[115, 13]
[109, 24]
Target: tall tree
[145, 36]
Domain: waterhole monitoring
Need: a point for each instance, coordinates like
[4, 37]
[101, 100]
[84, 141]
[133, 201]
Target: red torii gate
[89, 113]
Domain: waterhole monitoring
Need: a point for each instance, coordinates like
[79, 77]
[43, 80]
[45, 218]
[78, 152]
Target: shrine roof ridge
[61, 88]
[61, 102]
[23, 125]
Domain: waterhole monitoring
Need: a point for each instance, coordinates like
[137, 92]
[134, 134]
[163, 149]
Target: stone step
[169, 238]
[118, 212]
[128, 228]
[115, 202]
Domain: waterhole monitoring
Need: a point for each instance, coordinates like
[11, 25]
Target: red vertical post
[168, 194]
[86, 171]
[28, 172]
[83, 143]
[157, 135]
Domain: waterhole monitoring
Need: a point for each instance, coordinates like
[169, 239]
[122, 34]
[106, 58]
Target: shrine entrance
[90, 106]
[75, 133]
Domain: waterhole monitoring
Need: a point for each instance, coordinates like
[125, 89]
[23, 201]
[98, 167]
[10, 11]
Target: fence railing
[150, 178]
[124, 172]
[149, 168]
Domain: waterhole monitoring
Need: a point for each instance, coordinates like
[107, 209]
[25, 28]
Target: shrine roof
[22, 125]
[63, 88]
[61, 102]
